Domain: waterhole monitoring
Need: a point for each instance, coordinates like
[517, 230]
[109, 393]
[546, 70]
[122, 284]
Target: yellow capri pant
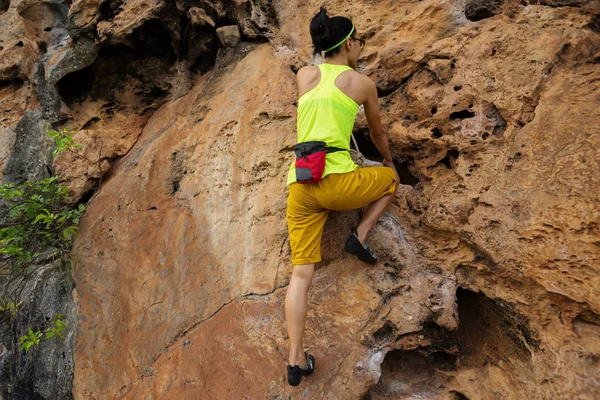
[308, 205]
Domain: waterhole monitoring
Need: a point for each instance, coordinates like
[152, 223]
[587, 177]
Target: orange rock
[487, 285]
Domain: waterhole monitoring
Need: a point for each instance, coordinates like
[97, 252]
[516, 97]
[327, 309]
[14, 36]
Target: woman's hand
[390, 164]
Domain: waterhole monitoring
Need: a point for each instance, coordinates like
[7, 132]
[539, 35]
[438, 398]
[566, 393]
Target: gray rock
[78, 56]
[229, 35]
[46, 371]
[31, 156]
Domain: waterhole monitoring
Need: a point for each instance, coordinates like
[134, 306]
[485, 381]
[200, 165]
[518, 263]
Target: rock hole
[386, 92]
[406, 178]
[433, 110]
[13, 84]
[464, 114]
[175, 187]
[76, 86]
[499, 130]
[4, 6]
[369, 150]
[185, 33]
[476, 10]
[152, 39]
[594, 26]
[457, 88]
[90, 123]
[109, 9]
[366, 145]
[588, 317]
[458, 395]
[384, 334]
[20, 43]
[491, 330]
[450, 159]
[436, 133]
[88, 195]
[485, 135]
[413, 375]
[205, 62]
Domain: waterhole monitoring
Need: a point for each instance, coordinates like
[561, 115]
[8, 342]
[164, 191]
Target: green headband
[342, 41]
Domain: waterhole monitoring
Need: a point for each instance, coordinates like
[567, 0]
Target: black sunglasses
[362, 42]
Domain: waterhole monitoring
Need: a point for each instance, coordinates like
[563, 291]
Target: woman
[330, 95]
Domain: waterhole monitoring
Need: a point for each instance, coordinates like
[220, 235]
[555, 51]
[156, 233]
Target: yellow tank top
[327, 114]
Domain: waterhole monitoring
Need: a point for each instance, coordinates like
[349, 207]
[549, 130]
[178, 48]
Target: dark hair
[326, 32]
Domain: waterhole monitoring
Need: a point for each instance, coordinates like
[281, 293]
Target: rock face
[488, 282]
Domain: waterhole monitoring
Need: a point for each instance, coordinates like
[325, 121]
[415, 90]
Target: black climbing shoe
[362, 251]
[296, 372]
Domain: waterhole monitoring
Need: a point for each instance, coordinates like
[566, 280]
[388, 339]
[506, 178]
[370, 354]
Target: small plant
[33, 338]
[57, 327]
[36, 219]
[9, 307]
[63, 141]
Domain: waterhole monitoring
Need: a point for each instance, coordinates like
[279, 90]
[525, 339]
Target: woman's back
[326, 113]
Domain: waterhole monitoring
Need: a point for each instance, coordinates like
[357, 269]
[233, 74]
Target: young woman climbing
[329, 97]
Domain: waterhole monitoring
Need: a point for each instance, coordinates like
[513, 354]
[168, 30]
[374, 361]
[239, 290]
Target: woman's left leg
[296, 305]
[306, 219]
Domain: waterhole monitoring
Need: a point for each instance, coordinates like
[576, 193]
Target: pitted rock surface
[487, 284]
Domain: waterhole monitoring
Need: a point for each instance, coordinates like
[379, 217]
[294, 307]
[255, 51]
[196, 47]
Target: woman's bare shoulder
[307, 78]
[362, 79]
[308, 71]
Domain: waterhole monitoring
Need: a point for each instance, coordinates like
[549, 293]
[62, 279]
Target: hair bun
[324, 16]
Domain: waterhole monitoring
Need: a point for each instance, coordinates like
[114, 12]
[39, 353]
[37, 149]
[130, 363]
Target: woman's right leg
[373, 211]
[371, 187]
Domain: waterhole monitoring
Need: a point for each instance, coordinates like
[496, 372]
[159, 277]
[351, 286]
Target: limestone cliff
[488, 281]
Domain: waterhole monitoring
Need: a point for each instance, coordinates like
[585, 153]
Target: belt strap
[334, 149]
